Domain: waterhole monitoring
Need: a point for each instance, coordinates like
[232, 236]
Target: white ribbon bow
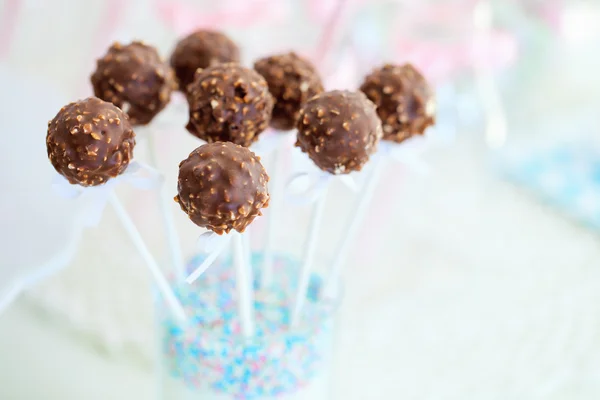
[306, 188]
[137, 174]
[212, 245]
[408, 152]
[209, 241]
[270, 141]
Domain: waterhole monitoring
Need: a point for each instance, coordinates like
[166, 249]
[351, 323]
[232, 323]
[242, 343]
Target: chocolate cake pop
[405, 102]
[229, 103]
[135, 79]
[292, 81]
[90, 141]
[222, 186]
[201, 49]
[339, 130]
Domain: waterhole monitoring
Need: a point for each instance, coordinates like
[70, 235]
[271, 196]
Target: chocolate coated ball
[90, 141]
[222, 186]
[405, 102]
[339, 130]
[229, 103]
[201, 49]
[292, 81]
[135, 79]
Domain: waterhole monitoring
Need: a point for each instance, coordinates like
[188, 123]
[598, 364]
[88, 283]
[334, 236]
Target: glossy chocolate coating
[201, 49]
[135, 79]
[90, 141]
[222, 186]
[229, 103]
[292, 81]
[339, 130]
[405, 102]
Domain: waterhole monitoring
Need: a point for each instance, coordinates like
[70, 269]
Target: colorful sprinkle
[210, 351]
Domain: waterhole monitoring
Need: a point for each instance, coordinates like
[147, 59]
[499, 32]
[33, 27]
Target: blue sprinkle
[229, 365]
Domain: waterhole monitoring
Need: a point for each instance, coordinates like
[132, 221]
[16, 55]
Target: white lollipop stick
[151, 263]
[208, 261]
[496, 131]
[353, 226]
[164, 201]
[244, 285]
[247, 245]
[309, 255]
[273, 215]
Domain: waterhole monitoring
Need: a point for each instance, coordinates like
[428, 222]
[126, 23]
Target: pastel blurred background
[477, 280]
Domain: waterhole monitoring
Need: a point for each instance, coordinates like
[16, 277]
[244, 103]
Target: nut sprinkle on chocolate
[222, 186]
[292, 81]
[201, 49]
[229, 103]
[339, 130]
[90, 141]
[405, 102]
[134, 78]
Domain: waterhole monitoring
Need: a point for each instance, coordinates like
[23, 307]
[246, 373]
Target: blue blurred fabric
[565, 175]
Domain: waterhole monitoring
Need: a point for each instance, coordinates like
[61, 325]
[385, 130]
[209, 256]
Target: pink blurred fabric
[101, 39]
[548, 11]
[551, 12]
[183, 17]
[438, 39]
[8, 25]
[442, 61]
[319, 10]
[107, 28]
[332, 23]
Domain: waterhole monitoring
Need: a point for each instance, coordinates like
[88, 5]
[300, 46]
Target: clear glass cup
[208, 358]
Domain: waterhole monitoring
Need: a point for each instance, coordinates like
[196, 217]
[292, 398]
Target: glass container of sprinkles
[208, 357]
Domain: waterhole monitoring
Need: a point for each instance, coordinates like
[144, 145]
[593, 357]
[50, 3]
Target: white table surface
[40, 360]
